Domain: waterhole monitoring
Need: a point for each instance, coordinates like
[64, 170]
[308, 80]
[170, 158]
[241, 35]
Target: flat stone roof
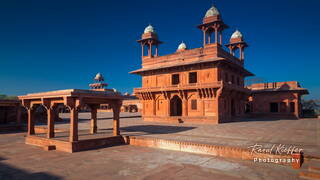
[72, 93]
[155, 67]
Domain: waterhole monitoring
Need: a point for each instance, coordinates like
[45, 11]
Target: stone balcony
[193, 86]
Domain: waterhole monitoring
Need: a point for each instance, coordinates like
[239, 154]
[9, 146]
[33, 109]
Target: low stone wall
[81, 145]
[207, 149]
[89, 144]
[44, 142]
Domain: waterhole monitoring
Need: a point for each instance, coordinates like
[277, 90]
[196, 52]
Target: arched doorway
[175, 106]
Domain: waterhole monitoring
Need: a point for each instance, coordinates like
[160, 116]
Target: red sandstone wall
[260, 103]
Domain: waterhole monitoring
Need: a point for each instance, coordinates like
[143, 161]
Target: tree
[3, 96]
[311, 104]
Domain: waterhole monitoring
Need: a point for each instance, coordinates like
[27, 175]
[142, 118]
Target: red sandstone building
[278, 99]
[204, 84]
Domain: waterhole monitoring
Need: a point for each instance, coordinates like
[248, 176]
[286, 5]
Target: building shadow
[67, 120]
[121, 117]
[155, 129]
[11, 129]
[261, 119]
[9, 172]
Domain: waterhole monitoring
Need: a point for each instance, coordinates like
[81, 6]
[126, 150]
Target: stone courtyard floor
[303, 133]
[21, 161]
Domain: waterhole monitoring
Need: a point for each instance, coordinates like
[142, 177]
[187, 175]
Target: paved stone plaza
[21, 161]
[303, 133]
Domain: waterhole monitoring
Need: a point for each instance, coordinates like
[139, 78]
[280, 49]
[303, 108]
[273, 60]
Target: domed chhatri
[99, 77]
[98, 84]
[182, 46]
[213, 11]
[149, 29]
[236, 34]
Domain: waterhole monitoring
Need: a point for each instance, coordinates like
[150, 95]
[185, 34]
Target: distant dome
[236, 34]
[99, 77]
[182, 46]
[149, 29]
[213, 11]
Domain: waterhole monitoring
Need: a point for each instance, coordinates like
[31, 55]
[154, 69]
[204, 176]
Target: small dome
[213, 11]
[99, 77]
[149, 29]
[182, 46]
[236, 34]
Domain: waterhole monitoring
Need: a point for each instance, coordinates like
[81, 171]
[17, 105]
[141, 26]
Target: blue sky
[50, 45]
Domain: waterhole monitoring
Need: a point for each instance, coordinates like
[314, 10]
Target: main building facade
[204, 84]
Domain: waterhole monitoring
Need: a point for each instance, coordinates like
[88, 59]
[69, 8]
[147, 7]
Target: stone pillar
[241, 53]
[30, 122]
[150, 50]
[50, 118]
[221, 37]
[93, 127]
[73, 125]
[184, 107]
[116, 117]
[157, 51]
[204, 38]
[209, 38]
[154, 106]
[297, 106]
[168, 107]
[216, 35]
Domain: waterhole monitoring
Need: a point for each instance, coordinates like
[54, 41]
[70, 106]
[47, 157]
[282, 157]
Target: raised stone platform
[81, 145]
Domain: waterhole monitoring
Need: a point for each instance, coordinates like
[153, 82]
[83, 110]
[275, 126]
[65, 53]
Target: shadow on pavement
[155, 129]
[9, 172]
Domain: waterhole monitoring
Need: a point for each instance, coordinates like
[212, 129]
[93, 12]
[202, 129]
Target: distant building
[131, 104]
[278, 99]
[10, 112]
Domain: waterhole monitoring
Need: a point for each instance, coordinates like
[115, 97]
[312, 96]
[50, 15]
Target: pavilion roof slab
[77, 93]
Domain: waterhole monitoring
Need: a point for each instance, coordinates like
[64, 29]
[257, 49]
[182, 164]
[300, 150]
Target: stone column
[297, 106]
[204, 38]
[73, 125]
[93, 127]
[30, 122]
[184, 107]
[116, 116]
[168, 107]
[150, 49]
[154, 107]
[157, 50]
[216, 35]
[221, 37]
[50, 118]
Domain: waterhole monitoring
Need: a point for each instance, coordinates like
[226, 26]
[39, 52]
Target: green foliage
[3, 96]
[312, 104]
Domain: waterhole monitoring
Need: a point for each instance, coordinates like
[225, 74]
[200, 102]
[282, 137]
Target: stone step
[309, 175]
